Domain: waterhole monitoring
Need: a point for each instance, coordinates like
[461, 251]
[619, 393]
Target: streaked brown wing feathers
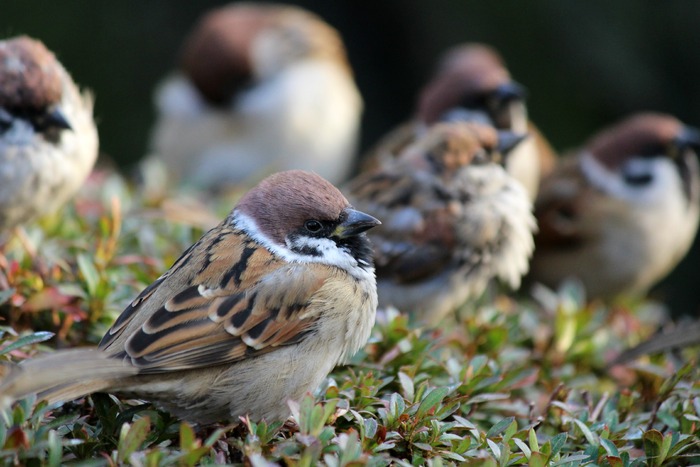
[232, 308]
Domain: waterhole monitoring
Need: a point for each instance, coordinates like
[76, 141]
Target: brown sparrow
[254, 314]
[620, 213]
[261, 88]
[453, 219]
[48, 139]
[473, 84]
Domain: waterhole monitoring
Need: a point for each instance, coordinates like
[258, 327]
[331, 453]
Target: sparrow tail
[682, 336]
[61, 376]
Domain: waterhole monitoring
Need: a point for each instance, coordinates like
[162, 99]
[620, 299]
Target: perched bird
[256, 313]
[473, 84]
[48, 139]
[261, 88]
[453, 219]
[620, 213]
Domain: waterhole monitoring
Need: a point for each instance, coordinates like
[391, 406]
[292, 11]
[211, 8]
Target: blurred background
[585, 64]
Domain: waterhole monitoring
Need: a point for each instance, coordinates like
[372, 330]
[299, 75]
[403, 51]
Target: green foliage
[505, 382]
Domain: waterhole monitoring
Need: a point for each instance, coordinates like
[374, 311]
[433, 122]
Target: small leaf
[498, 428]
[431, 400]
[523, 447]
[132, 437]
[590, 437]
[89, 272]
[652, 441]
[406, 385]
[40, 336]
[537, 459]
[532, 438]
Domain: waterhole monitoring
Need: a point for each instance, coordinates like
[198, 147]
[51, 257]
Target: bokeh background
[585, 63]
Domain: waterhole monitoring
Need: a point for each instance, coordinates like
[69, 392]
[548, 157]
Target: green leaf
[537, 459]
[89, 273]
[532, 439]
[590, 436]
[406, 385]
[40, 336]
[431, 400]
[653, 441]
[499, 427]
[132, 437]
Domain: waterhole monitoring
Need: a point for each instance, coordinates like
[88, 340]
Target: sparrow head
[302, 216]
[448, 147]
[638, 148]
[235, 45]
[473, 81]
[31, 87]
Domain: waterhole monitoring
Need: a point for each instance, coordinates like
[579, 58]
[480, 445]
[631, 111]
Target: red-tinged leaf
[16, 438]
[48, 299]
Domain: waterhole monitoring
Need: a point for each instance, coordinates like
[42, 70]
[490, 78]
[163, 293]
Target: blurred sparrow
[256, 313]
[261, 88]
[453, 219]
[48, 139]
[472, 84]
[623, 211]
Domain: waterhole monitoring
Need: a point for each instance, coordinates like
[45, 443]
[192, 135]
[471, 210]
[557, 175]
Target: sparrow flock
[268, 302]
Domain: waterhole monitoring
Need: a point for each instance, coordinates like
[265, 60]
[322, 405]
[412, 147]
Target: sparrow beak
[510, 91]
[55, 118]
[688, 138]
[507, 141]
[355, 223]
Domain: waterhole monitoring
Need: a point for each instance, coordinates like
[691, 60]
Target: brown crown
[469, 69]
[633, 136]
[282, 202]
[30, 76]
[217, 54]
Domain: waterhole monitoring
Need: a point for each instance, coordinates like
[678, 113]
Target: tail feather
[684, 335]
[62, 376]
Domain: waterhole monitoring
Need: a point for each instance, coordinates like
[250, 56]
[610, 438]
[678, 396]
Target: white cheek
[665, 182]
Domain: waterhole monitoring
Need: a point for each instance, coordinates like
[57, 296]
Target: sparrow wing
[416, 237]
[236, 301]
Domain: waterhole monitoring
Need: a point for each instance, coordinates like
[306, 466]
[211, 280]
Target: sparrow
[255, 313]
[261, 88]
[473, 84]
[621, 212]
[48, 138]
[453, 219]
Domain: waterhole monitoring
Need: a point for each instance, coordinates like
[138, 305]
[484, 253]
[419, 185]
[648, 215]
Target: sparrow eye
[313, 226]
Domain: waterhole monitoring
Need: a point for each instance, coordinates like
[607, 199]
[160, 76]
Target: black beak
[688, 138]
[510, 91]
[55, 118]
[507, 141]
[355, 223]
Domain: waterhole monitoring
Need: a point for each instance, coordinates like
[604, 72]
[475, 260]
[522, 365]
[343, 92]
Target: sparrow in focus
[48, 138]
[620, 213]
[256, 313]
[261, 88]
[473, 84]
[453, 219]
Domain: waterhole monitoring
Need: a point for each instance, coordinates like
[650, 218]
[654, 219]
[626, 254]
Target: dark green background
[586, 63]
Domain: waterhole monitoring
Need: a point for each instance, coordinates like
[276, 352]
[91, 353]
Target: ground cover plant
[510, 380]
